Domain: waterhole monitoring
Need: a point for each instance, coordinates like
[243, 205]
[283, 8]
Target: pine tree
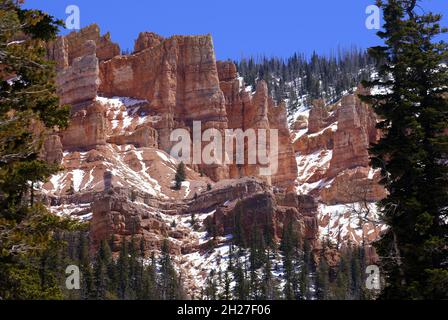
[291, 261]
[412, 152]
[27, 101]
[101, 268]
[87, 277]
[180, 176]
[305, 269]
[241, 288]
[322, 279]
[226, 292]
[343, 278]
[357, 281]
[149, 283]
[194, 222]
[123, 270]
[134, 269]
[211, 286]
[170, 287]
[100, 279]
[297, 77]
[269, 286]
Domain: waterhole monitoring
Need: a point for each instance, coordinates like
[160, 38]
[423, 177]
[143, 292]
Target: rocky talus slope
[118, 172]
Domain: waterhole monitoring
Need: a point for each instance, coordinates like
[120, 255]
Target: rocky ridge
[331, 144]
[118, 172]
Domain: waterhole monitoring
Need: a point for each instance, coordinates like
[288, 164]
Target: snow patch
[77, 179]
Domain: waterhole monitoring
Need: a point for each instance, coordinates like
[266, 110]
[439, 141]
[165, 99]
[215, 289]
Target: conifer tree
[269, 286]
[100, 279]
[241, 288]
[149, 283]
[412, 152]
[291, 262]
[123, 270]
[304, 281]
[226, 292]
[170, 287]
[27, 100]
[211, 289]
[180, 176]
[322, 279]
[101, 268]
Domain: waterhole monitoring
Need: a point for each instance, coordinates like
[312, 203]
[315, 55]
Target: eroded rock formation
[356, 132]
[116, 152]
[331, 145]
[124, 108]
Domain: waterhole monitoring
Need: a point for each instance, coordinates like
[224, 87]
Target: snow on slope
[308, 166]
[148, 170]
[354, 222]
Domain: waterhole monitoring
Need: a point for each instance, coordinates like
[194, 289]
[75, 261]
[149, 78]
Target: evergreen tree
[301, 80]
[180, 176]
[343, 277]
[412, 152]
[87, 277]
[27, 101]
[269, 286]
[123, 270]
[194, 222]
[322, 279]
[226, 292]
[101, 268]
[170, 287]
[100, 279]
[149, 283]
[211, 289]
[305, 269]
[291, 262]
[134, 269]
[357, 280]
[241, 288]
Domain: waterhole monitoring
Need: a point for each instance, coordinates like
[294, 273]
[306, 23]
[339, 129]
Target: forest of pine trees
[299, 79]
[127, 275]
[260, 269]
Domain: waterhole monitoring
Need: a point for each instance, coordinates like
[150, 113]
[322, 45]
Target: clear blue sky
[239, 27]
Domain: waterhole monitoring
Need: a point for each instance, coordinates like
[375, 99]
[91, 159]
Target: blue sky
[239, 27]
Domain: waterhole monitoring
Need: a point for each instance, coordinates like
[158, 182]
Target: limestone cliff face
[331, 145]
[179, 79]
[65, 49]
[356, 131]
[182, 81]
[124, 108]
[79, 82]
[257, 111]
[116, 152]
[147, 40]
[87, 129]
